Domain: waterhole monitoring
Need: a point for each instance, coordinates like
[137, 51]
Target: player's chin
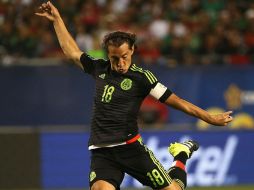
[122, 71]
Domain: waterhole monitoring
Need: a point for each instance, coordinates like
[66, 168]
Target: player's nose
[120, 63]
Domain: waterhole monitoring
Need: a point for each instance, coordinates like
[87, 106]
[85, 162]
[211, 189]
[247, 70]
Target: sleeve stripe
[152, 75]
[149, 75]
[137, 68]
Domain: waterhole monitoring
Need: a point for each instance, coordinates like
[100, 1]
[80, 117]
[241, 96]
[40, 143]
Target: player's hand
[49, 11]
[221, 119]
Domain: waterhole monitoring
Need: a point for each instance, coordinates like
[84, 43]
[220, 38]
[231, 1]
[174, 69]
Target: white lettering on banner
[212, 164]
[208, 162]
[227, 158]
[209, 165]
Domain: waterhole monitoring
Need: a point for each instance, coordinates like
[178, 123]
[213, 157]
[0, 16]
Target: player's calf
[181, 152]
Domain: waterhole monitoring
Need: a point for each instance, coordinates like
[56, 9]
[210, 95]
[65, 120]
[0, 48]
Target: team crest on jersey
[126, 84]
[92, 175]
[102, 76]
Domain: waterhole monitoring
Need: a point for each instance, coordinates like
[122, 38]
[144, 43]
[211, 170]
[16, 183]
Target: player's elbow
[73, 55]
[67, 53]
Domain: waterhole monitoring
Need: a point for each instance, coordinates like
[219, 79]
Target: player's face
[120, 57]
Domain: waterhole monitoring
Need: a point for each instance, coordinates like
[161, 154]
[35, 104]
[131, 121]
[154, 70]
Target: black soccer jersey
[117, 100]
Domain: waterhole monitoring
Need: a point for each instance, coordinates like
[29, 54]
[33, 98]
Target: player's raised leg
[102, 185]
[181, 152]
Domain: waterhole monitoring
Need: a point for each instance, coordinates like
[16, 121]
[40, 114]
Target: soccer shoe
[188, 147]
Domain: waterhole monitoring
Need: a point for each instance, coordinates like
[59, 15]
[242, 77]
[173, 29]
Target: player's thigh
[142, 165]
[104, 172]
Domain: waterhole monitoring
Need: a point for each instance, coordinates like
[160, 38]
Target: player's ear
[132, 49]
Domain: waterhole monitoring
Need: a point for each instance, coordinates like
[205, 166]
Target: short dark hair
[117, 38]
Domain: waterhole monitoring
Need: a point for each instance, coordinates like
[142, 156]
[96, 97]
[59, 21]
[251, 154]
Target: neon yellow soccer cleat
[188, 147]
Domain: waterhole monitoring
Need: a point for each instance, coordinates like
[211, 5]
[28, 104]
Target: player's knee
[173, 186]
[102, 185]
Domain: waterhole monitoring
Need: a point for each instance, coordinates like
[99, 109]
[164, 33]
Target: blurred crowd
[170, 32]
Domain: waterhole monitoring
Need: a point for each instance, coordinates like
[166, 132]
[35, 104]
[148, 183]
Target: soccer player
[115, 143]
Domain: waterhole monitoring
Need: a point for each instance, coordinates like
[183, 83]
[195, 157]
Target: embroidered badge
[126, 84]
[92, 176]
[102, 76]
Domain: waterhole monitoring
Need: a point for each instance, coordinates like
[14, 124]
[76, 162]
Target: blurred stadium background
[201, 49]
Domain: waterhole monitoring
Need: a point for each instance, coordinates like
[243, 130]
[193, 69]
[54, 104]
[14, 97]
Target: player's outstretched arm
[67, 43]
[189, 108]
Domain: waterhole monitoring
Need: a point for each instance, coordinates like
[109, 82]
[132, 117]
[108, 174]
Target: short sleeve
[149, 79]
[155, 88]
[151, 85]
[89, 63]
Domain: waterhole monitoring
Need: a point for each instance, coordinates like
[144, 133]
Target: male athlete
[115, 144]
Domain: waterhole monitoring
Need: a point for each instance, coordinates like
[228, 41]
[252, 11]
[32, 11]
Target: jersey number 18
[107, 94]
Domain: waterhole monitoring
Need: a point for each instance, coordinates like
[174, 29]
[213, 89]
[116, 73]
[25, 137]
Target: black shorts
[135, 159]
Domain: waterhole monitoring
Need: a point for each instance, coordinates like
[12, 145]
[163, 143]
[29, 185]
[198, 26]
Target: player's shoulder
[143, 74]
[99, 60]
[86, 57]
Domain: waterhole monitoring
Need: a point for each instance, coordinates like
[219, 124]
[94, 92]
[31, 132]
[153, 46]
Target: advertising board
[224, 158]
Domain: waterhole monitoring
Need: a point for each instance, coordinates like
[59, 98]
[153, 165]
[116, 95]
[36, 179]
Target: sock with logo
[177, 171]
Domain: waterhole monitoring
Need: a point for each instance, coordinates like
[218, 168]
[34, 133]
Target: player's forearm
[221, 119]
[192, 110]
[195, 111]
[188, 108]
[67, 43]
